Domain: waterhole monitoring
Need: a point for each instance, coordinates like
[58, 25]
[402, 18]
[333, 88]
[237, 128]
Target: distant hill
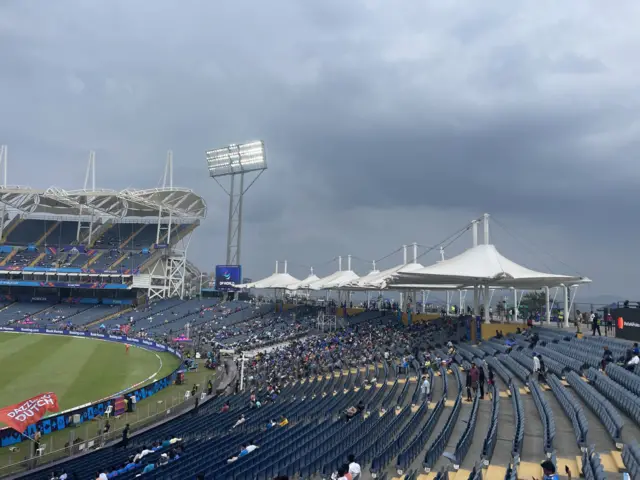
[600, 299]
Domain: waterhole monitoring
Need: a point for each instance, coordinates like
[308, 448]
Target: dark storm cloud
[374, 117]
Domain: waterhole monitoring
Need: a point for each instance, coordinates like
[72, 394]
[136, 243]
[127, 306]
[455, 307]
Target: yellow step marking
[495, 471]
[571, 463]
[461, 474]
[449, 403]
[617, 458]
[609, 463]
[529, 470]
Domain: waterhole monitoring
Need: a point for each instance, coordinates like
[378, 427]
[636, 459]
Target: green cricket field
[77, 370]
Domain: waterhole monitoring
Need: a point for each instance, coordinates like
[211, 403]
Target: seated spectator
[631, 364]
[148, 468]
[271, 423]
[283, 421]
[225, 407]
[240, 421]
[607, 357]
[244, 450]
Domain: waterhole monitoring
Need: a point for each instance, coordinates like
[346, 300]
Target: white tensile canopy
[363, 282]
[276, 280]
[304, 284]
[335, 280]
[484, 265]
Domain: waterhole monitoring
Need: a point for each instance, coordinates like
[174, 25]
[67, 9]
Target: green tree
[533, 301]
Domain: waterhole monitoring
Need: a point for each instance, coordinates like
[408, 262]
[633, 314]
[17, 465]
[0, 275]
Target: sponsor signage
[227, 277]
[629, 327]
[90, 286]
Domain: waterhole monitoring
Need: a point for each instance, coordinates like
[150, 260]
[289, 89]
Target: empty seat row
[515, 368]
[606, 412]
[592, 468]
[489, 442]
[571, 408]
[462, 447]
[440, 443]
[631, 459]
[627, 379]
[518, 413]
[546, 416]
[499, 368]
[615, 393]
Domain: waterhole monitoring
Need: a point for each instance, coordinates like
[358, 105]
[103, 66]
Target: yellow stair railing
[8, 257]
[10, 228]
[47, 233]
[38, 258]
[132, 236]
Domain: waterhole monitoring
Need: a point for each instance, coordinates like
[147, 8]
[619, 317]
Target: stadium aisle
[482, 427]
[502, 453]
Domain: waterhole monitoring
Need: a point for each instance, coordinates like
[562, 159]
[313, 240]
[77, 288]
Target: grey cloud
[383, 125]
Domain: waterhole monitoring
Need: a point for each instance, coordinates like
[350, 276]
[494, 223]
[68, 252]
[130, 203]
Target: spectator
[354, 467]
[607, 357]
[631, 364]
[425, 389]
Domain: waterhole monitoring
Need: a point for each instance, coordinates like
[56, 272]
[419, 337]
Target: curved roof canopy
[484, 265]
[303, 284]
[274, 281]
[335, 281]
[177, 202]
[377, 281]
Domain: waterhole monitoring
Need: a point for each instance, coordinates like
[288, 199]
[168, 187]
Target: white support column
[486, 228]
[424, 301]
[475, 300]
[404, 254]
[340, 263]
[487, 302]
[474, 230]
[565, 293]
[448, 302]
[415, 252]
[276, 266]
[547, 306]
[515, 305]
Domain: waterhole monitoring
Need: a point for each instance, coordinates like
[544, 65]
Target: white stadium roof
[482, 264]
[177, 202]
[303, 284]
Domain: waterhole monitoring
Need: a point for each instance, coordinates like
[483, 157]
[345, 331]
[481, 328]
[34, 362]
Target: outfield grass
[77, 370]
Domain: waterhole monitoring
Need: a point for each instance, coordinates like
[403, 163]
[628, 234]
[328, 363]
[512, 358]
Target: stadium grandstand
[105, 245]
[230, 388]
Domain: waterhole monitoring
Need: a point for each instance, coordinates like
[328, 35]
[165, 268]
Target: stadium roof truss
[156, 202]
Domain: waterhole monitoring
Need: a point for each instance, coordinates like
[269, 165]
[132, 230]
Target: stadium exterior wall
[87, 412]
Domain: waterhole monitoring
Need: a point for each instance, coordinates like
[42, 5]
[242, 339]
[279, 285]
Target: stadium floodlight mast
[236, 161]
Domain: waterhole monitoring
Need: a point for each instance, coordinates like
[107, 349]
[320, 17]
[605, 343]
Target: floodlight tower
[236, 161]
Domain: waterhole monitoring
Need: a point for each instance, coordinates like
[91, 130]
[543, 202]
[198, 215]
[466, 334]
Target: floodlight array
[243, 158]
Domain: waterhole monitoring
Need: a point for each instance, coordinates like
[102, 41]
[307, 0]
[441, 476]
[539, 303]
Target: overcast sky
[385, 122]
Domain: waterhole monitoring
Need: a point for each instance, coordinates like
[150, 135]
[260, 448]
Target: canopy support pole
[448, 302]
[547, 307]
[573, 298]
[565, 320]
[487, 301]
[515, 305]
[475, 300]
[424, 301]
